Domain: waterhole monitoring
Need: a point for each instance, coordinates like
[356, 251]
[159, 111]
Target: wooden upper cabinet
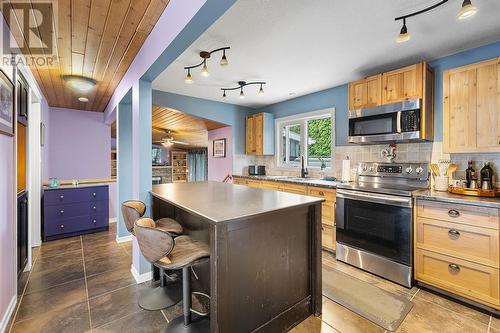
[365, 93]
[260, 134]
[471, 108]
[403, 84]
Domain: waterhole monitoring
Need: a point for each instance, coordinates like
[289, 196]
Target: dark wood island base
[264, 273]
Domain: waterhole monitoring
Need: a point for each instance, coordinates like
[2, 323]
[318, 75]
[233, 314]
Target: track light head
[242, 94]
[189, 77]
[223, 61]
[467, 10]
[224, 95]
[261, 91]
[403, 36]
[204, 70]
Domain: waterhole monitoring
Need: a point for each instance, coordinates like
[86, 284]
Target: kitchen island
[264, 273]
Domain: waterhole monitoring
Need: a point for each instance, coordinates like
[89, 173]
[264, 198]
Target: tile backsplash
[428, 152]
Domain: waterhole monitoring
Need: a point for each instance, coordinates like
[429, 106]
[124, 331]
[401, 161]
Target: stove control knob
[419, 170]
[409, 170]
[372, 169]
[364, 168]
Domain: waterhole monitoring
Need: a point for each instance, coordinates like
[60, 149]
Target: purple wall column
[219, 167]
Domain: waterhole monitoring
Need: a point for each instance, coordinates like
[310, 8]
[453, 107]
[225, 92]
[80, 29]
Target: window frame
[302, 119]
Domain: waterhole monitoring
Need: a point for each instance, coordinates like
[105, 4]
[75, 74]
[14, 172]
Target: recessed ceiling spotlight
[467, 10]
[240, 86]
[80, 83]
[206, 55]
[83, 99]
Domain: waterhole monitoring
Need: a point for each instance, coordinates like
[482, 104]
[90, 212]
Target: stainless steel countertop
[456, 198]
[294, 180]
[220, 202]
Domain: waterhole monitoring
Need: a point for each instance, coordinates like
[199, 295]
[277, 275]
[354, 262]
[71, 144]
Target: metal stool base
[198, 325]
[160, 298]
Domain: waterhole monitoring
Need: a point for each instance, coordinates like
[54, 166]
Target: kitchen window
[308, 134]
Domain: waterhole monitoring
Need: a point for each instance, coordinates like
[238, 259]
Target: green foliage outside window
[320, 137]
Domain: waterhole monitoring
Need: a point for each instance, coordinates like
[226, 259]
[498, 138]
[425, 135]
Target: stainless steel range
[374, 219]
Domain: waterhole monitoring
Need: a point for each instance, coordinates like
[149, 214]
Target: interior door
[22, 232]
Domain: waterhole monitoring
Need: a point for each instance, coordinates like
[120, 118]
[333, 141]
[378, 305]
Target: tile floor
[84, 284]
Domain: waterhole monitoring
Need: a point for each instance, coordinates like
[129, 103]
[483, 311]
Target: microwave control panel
[410, 121]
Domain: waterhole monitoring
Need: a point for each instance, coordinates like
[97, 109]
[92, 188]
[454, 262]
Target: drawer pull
[61, 212]
[321, 193]
[94, 194]
[61, 197]
[454, 267]
[62, 226]
[94, 208]
[453, 213]
[454, 233]
[94, 221]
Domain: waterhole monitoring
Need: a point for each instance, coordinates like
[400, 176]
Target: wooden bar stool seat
[167, 253]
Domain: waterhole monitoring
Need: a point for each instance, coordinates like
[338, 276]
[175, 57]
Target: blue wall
[337, 97]
[229, 114]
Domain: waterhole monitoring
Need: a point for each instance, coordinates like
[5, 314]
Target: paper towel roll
[346, 170]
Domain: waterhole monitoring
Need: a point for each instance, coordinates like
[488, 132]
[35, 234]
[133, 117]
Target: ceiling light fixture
[83, 99]
[466, 11]
[240, 86]
[206, 55]
[80, 83]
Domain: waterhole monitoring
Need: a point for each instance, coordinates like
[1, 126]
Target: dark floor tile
[34, 253]
[100, 236]
[173, 312]
[21, 282]
[106, 264]
[495, 324]
[115, 305]
[61, 247]
[104, 251]
[59, 273]
[345, 320]
[127, 246]
[109, 281]
[313, 325]
[142, 321]
[74, 319]
[55, 298]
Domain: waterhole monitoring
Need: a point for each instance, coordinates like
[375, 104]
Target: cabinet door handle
[61, 197]
[453, 213]
[453, 232]
[321, 193]
[61, 212]
[454, 267]
[62, 226]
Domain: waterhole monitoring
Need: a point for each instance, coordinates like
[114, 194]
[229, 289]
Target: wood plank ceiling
[93, 38]
[186, 128]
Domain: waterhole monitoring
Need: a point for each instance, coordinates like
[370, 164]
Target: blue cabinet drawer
[65, 211]
[73, 195]
[80, 223]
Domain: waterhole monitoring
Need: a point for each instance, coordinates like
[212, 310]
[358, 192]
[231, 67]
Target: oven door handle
[398, 122]
[375, 197]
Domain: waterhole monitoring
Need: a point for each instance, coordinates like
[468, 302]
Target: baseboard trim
[113, 220]
[140, 278]
[8, 313]
[124, 239]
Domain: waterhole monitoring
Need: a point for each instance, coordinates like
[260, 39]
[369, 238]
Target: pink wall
[219, 167]
[79, 145]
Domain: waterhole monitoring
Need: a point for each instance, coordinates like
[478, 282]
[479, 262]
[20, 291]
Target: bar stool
[159, 248]
[166, 294]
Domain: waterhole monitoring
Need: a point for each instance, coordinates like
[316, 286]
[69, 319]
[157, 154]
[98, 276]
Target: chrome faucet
[303, 171]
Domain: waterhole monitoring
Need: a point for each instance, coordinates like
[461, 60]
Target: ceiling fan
[169, 139]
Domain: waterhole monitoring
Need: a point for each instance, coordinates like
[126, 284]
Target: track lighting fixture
[466, 11]
[204, 70]
[240, 86]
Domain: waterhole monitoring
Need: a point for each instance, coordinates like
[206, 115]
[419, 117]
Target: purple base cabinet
[71, 210]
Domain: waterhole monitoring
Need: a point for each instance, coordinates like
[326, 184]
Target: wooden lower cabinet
[327, 208]
[457, 250]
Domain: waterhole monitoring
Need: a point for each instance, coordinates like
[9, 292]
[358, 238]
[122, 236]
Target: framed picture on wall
[7, 125]
[219, 148]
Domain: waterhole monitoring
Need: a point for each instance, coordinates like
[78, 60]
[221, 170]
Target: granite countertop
[63, 187]
[294, 180]
[456, 198]
[223, 202]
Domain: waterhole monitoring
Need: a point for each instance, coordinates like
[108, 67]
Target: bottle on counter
[469, 172]
[487, 176]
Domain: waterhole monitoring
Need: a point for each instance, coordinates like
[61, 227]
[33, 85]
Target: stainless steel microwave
[405, 121]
